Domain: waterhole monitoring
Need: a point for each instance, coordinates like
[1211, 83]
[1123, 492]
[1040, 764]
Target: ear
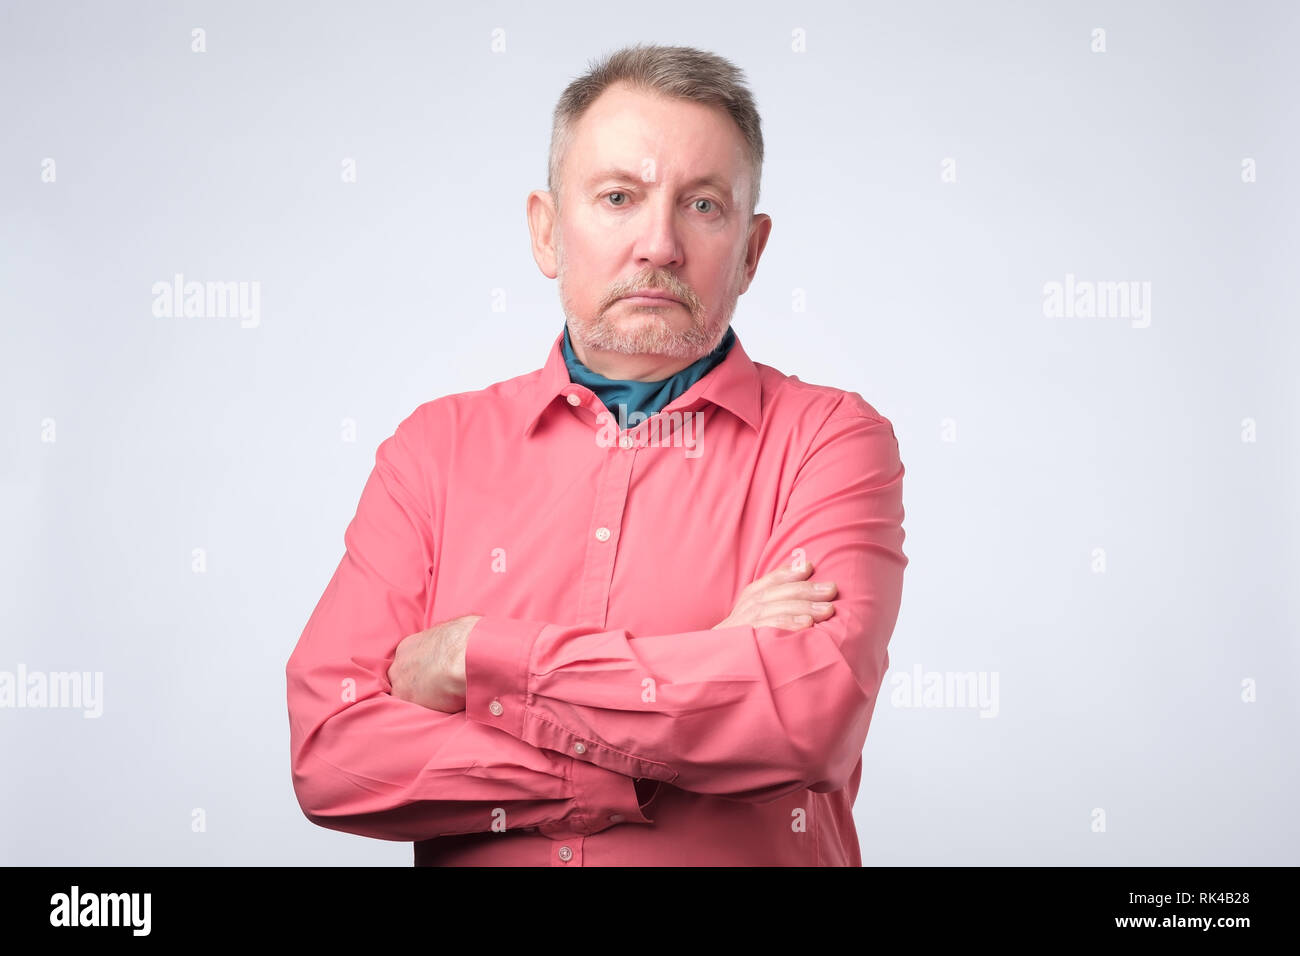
[759, 230]
[542, 221]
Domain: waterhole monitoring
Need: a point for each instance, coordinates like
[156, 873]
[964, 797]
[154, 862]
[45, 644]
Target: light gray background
[1119, 690]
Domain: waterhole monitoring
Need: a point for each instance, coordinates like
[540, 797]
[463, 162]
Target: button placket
[607, 513]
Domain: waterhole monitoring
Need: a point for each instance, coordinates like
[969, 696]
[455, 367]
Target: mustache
[667, 286]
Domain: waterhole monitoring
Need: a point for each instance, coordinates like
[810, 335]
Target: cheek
[583, 240]
[725, 264]
[585, 270]
[719, 278]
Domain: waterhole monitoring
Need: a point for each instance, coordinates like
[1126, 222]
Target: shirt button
[579, 748]
[574, 399]
[602, 534]
[496, 708]
[626, 441]
[566, 854]
[616, 818]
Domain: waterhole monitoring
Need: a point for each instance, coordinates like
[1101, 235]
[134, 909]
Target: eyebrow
[716, 181]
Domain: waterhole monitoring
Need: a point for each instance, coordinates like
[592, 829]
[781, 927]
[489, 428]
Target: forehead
[624, 128]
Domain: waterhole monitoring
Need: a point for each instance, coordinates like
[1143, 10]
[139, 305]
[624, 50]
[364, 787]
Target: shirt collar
[732, 384]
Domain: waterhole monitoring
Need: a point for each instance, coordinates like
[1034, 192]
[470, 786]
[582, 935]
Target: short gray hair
[681, 72]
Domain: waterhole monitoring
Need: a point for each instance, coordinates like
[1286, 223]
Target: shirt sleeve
[368, 763]
[750, 713]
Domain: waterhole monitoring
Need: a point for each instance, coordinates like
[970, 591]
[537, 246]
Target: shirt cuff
[497, 656]
[499, 693]
[497, 653]
[605, 798]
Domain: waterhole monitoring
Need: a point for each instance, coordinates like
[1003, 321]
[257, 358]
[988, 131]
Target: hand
[429, 666]
[784, 599]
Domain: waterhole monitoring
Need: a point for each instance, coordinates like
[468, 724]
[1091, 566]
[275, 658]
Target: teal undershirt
[646, 397]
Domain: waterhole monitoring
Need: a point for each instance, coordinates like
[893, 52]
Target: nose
[657, 243]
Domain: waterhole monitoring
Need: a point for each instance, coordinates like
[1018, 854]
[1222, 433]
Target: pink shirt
[606, 721]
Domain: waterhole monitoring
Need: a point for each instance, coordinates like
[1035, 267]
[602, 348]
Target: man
[578, 621]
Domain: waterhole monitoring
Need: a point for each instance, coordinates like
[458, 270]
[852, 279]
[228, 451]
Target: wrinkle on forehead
[676, 140]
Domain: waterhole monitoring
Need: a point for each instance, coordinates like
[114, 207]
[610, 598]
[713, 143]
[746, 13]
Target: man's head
[656, 158]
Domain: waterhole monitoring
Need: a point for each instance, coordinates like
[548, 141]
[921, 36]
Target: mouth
[650, 297]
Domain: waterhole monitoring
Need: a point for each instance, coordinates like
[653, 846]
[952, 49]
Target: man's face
[654, 195]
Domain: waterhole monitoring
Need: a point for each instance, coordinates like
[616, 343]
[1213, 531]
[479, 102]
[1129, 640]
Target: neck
[629, 368]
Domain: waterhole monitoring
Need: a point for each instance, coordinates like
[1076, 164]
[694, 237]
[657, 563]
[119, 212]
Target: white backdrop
[1102, 509]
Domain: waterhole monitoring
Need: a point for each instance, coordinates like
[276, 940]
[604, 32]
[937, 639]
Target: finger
[800, 567]
[787, 622]
[796, 608]
[783, 574]
[797, 590]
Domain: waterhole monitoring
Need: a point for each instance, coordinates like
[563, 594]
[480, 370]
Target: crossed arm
[754, 708]
[429, 666]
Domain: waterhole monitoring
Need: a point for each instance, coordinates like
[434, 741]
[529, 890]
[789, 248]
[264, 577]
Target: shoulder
[833, 426]
[788, 397]
[425, 441]
[451, 413]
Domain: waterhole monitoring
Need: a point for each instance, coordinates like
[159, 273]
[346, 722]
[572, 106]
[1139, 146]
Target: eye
[608, 195]
[711, 203]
